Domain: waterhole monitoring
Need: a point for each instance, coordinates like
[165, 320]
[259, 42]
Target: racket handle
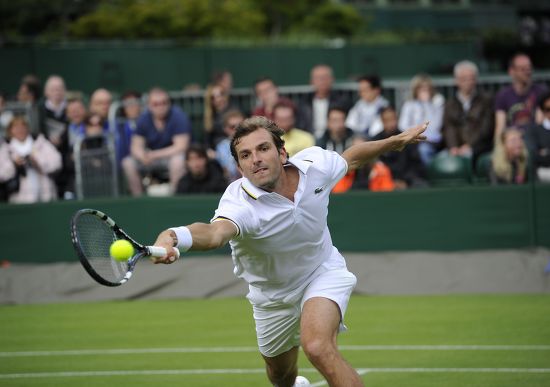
[156, 251]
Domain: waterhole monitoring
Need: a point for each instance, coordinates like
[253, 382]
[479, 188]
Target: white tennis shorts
[278, 322]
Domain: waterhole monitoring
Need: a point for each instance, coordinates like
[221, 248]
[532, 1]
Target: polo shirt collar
[255, 192]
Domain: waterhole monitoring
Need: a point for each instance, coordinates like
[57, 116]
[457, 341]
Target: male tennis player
[275, 219]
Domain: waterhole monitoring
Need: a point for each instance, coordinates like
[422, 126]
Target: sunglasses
[160, 103]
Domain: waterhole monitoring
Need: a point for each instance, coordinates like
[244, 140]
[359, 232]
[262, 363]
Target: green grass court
[470, 340]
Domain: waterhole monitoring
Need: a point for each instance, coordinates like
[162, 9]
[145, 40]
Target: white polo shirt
[280, 243]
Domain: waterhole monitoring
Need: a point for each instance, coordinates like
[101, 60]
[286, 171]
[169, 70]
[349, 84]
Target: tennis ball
[121, 250]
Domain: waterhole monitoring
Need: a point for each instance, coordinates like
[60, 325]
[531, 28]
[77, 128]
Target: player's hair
[251, 125]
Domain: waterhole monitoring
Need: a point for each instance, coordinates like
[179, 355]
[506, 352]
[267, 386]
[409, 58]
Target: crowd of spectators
[154, 139]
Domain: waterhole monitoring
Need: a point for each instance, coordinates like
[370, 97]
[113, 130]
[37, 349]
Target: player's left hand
[413, 135]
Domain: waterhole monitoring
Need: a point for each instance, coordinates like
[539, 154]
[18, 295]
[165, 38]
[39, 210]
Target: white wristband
[185, 240]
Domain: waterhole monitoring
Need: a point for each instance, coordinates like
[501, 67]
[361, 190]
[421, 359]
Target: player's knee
[318, 351]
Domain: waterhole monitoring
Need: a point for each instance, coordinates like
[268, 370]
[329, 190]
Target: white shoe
[301, 382]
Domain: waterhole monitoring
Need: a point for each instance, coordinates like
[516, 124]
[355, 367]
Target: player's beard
[269, 182]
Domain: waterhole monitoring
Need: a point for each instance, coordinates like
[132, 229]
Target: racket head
[92, 233]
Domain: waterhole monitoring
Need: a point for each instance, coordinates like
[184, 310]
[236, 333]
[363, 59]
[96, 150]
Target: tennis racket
[92, 233]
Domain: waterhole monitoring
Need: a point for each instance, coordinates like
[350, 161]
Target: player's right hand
[165, 240]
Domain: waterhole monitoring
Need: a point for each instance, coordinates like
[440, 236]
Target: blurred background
[81, 80]
[180, 43]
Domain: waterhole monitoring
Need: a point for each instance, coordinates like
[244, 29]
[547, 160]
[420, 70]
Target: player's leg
[278, 334]
[282, 369]
[319, 327]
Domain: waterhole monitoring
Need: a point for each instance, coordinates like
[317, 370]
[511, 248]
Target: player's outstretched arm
[359, 154]
[203, 236]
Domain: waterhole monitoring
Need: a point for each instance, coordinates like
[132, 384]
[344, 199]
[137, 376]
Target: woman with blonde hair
[510, 159]
[425, 105]
[216, 104]
[35, 159]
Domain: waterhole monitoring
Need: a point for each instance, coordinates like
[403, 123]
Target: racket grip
[156, 251]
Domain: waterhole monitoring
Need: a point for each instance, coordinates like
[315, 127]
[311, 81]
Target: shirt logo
[319, 190]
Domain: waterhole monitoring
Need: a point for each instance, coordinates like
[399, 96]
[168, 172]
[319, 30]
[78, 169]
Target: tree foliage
[179, 19]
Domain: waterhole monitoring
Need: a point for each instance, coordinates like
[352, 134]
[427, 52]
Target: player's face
[259, 159]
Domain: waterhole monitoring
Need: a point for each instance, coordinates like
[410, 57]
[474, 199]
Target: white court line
[137, 351]
[237, 371]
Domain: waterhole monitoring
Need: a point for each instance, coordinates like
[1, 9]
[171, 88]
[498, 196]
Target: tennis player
[275, 220]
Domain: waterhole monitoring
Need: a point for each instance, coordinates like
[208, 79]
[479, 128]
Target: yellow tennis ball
[121, 250]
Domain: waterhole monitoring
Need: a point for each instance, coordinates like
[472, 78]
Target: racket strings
[95, 238]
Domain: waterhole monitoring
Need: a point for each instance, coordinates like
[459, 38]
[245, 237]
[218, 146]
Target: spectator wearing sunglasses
[159, 143]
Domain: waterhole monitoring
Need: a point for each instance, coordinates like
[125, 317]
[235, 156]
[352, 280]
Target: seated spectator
[538, 141]
[223, 78]
[158, 146]
[468, 118]
[364, 116]
[406, 167]
[313, 112]
[516, 104]
[9, 183]
[5, 115]
[216, 104]
[53, 112]
[295, 139]
[94, 134]
[29, 93]
[510, 159]
[268, 95]
[76, 129]
[231, 120]
[131, 110]
[203, 175]
[425, 105]
[100, 103]
[34, 159]
[337, 136]
[76, 116]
